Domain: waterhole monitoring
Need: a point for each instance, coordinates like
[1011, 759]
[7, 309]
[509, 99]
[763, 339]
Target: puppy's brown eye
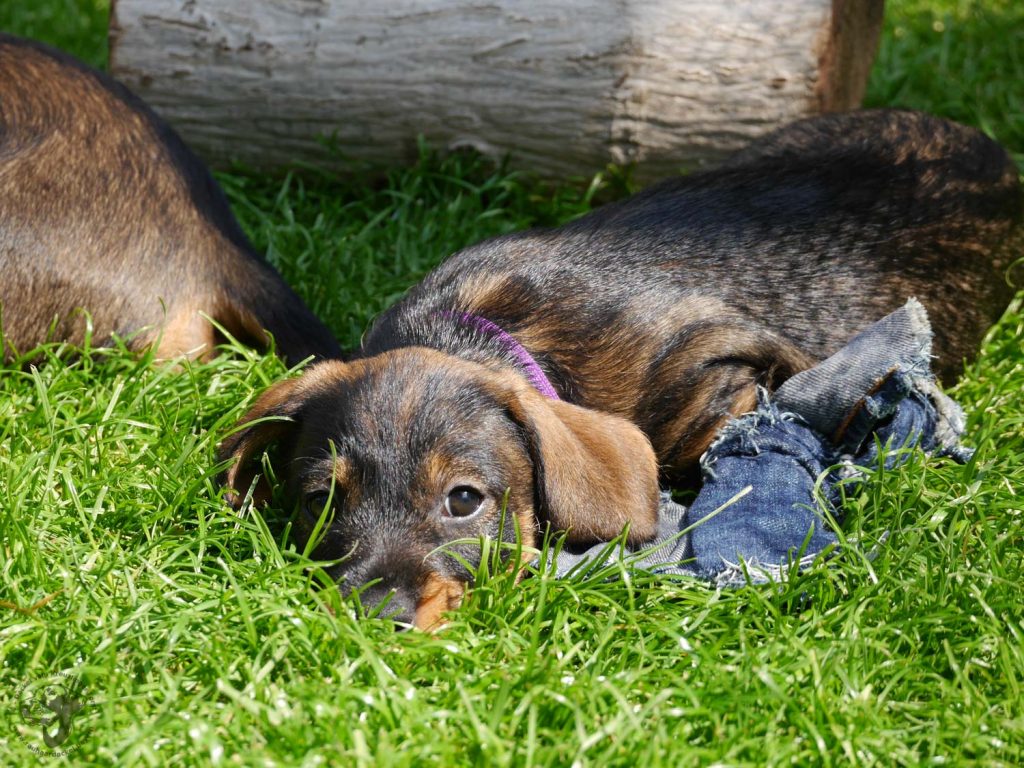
[463, 501]
[314, 503]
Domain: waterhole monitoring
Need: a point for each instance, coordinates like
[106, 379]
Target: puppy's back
[936, 207]
[813, 233]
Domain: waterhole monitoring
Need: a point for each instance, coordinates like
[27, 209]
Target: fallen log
[565, 86]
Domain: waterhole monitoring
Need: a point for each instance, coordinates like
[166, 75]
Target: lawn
[198, 636]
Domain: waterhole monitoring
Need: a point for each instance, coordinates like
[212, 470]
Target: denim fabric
[769, 492]
[829, 395]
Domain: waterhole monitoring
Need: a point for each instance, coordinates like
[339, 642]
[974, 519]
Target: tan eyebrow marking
[343, 471]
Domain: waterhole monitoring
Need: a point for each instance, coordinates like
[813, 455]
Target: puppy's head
[413, 450]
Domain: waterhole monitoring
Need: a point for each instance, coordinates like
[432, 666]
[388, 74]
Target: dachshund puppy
[557, 375]
[104, 209]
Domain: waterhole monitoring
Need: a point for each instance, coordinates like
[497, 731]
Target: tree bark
[565, 86]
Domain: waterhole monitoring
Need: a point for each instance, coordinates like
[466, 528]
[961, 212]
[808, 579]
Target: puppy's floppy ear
[594, 472]
[271, 418]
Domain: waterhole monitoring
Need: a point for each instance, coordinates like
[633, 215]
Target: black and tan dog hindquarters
[539, 369]
[104, 209]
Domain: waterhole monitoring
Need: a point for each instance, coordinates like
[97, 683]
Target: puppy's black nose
[383, 601]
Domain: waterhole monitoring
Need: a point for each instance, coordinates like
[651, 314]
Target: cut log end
[848, 53]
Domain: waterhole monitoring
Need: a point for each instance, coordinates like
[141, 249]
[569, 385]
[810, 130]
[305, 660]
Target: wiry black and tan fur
[104, 209]
[656, 318]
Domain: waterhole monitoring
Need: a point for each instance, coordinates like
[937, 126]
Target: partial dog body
[104, 209]
[653, 320]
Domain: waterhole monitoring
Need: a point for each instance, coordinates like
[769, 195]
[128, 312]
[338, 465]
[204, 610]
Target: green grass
[76, 26]
[963, 59]
[201, 637]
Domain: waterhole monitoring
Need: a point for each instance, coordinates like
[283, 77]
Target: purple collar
[533, 370]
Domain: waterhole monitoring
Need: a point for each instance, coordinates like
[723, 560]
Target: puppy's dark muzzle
[384, 601]
[420, 601]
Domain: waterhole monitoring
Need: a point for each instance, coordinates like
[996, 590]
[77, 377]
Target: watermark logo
[53, 713]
